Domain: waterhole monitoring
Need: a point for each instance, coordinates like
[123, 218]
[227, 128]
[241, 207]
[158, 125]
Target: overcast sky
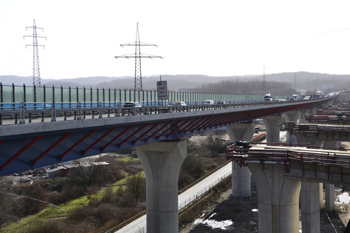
[222, 38]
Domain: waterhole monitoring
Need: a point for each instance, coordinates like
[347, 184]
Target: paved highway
[139, 225]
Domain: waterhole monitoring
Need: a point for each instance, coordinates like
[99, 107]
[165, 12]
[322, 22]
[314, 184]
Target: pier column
[302, 113]
[313, 140]
[278, 199]
[291, 116]
[272, 125]
[331, 144]
[329, 197]
[161, 162]
[241, 181]
[302, 138]
[310, 207]
[329, 188]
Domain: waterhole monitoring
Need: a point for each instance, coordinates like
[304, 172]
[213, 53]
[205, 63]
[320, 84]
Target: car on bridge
[208, 102]
[180, 104]
[132, 108]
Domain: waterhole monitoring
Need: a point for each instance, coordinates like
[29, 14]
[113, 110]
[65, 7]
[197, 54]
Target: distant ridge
[185, 82]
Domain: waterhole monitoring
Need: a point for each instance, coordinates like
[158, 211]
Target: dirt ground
[244, 216]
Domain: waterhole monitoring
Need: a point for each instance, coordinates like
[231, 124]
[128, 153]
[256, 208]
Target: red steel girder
[231, 118]
[98, 140]
[222, 118]
[243, 116]
[77, 143]
[51, 147]
[255, 114]
[120, 144]
[213, 118]
[158, 130]
[205, 119]
[20, 152]
[115, 138]
[168, 129]
[225, 120]
[237, 118]
[190, 124]
[210, 122]
[178, 127]
[146, 132]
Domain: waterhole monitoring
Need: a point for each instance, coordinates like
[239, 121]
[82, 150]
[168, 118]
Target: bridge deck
[27, 146]
[300, 163]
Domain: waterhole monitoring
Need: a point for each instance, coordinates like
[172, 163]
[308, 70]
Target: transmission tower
[264, 82]
[137, 56]
[36, 67]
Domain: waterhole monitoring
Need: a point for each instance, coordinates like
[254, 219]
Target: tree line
[247, 87]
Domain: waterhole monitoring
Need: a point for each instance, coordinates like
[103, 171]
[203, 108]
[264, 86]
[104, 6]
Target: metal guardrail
[26, 112]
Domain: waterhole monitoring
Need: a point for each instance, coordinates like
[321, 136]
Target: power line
[137, 44]
[323, 33]
[36, 67]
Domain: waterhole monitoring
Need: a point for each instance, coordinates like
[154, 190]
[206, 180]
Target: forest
[247, 87]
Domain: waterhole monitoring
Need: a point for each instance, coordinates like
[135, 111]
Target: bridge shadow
[244, 216]
[331, 222]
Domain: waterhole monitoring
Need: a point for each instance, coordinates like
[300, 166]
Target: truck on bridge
[268, 97]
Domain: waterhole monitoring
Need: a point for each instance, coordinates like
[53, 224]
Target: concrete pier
[301, 138]
[292, 116]
[272, 125]
[310, 207]
[329, 197]
[241, 177]
[302, 113]
[329, 188]
[162, 162]
[278, 199]
[331, 144]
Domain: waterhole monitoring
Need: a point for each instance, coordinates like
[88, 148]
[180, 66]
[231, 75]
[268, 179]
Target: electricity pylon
[138, 56]
[36, 67]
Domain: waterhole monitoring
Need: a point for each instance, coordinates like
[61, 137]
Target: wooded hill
[247, 87]
[303, 81]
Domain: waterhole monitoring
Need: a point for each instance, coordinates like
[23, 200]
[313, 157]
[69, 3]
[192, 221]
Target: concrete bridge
[283, 174]
[158, 141]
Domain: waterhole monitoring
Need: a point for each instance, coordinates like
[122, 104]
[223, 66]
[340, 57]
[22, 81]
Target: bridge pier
[241, 177]
[278, 199]
[272, 125]
[329, 144]
[329, 188]
[162, 162]
[310, 207]
[302, 113]
[291, 116]
[301, 138]
[330, 102]
[329, 196]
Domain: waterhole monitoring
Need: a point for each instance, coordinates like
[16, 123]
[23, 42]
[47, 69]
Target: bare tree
[136, 186]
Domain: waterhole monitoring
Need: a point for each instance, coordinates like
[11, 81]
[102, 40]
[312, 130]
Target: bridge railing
[320, 157]
[14, 93]
[30, 112]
